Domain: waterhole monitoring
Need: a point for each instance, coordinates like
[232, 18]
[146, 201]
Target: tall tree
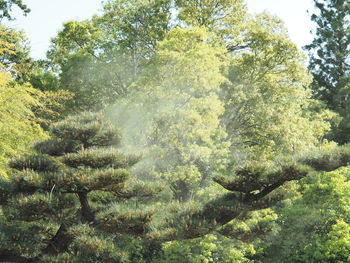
[99, 59]
[178, 95]
[329, 61]
[261, 109]
[330, 49]
[268, 105]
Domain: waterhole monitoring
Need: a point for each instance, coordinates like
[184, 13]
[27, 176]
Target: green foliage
[6, 8]
[97, 158]
[48, 196]
[14, 52]
[43, 163]
[313, 225]
[14, 58]
[87, 128]
[262, 67]
[75, 200]
[99, 59]
[18, 127]
[200, 86]
[211, 248]
[329, 55]
[182, 107]
[226, 19]
[335, 247]
[328, 160]
[268, 110]
[329, 49]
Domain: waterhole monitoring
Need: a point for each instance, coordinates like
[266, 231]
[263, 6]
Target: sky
[47, 16]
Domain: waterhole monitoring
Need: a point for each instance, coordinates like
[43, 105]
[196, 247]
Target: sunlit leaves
[18, 127]
[268, 106]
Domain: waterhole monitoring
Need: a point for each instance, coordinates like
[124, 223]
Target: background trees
[268, 105]
[315, 222]
[14, 52]
[329, 53]
[329, 49]
[179, 94]
[18, 126]
[98, 59]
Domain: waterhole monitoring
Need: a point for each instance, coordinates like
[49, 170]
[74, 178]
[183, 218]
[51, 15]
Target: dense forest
[176, 131]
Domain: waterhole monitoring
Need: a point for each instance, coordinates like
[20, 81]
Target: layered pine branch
[66, 202]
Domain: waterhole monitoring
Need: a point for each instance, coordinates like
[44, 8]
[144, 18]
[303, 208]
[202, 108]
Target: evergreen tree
[329, 51]
[329, 61]
[64, 203]
[40, 202]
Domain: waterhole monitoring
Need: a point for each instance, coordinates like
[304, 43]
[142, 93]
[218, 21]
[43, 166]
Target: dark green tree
[329, 51]
[47, 197]
[64, 204]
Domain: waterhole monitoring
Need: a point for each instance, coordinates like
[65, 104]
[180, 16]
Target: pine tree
[52, 202]
[65, 203]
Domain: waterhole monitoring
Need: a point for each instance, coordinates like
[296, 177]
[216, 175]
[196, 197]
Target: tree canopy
[227, 153]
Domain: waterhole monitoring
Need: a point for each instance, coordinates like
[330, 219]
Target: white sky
[293, 13]
[46, 18]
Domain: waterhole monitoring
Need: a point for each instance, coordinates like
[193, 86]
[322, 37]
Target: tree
[6, 8]
[18, 126]
[329, 61]
[99, 59]
[177, 95]
[329, 51]
[224, 18]
[136, 32]
[14, 52]
[314, 222]
[268, 105]
[63, 204]
[199, 103]
[15, 60]
[78, 161]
